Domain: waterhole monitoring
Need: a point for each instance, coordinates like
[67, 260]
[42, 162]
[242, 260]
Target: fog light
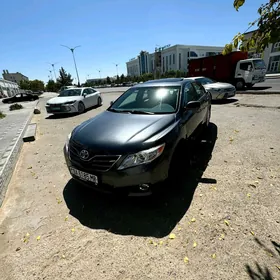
[144, 187]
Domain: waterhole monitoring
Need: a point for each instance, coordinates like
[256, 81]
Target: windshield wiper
[139, 112]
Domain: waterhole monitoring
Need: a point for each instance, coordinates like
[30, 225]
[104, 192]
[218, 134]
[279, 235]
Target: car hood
[218, 85]
[121, 132]
[60, 100]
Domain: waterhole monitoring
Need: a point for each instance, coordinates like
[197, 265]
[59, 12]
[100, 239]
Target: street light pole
[72, 50]
[117, 68]
[99, 73]
[51, 74]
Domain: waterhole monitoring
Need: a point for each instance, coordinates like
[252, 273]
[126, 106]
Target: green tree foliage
[52, 86]
[267, 25]
[37, 85]
[24, 85]
[64, 78]
[108, 80]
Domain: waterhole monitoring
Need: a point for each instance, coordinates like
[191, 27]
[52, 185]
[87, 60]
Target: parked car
[65, 87]
[20, 97]
[130, 146]
[218, 90]
[74, 100]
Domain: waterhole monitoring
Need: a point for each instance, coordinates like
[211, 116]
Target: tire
[239, 84]
[81, 107]
[99, 101]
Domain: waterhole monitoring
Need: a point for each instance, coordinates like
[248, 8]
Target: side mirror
[192, 105]
[111, 103]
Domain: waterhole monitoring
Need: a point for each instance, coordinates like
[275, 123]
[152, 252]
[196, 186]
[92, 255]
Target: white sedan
[218, 90]
[74, 100]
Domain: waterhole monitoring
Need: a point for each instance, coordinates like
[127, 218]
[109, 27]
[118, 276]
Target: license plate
[84, 176]
[56, 109]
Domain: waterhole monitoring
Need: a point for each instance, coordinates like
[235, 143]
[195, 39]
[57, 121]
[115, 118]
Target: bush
[15, 107]
[2, 116]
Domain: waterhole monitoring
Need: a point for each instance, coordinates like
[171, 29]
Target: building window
[193, 54]
[166, 63]
[163, 64]
[180, 61]
[173, 58]
[169, 59]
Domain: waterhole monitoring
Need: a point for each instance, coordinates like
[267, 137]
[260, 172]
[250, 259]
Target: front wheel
[99, 101]
[239, 84]
[81, 108]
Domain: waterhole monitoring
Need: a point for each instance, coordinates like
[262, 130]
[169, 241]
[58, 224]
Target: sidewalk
[273, 76]
[12, 129]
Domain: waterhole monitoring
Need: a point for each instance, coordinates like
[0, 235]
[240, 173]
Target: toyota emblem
[84, 154]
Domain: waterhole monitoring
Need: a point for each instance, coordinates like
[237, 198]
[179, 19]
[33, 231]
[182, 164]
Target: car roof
[164, 82]
[199, 77]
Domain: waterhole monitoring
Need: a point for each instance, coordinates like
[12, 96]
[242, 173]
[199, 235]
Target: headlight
[67, 140]
[215, 89]
[69, 102]
[142, 157]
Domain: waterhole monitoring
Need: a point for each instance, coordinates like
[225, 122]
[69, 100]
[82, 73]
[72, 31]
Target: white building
[8, 88]
[270, 55]
[168, 58]
[133, 67]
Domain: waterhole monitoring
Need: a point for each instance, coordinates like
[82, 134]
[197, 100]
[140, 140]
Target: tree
[122, 79]
[268, 30]
[118, 79]
[108, 80]
[37, 85]
[64, 78]
[24, 85]
[52, 86]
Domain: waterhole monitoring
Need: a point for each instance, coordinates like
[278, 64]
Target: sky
[109, 31]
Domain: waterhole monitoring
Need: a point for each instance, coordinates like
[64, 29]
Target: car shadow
[156, 215]
[256, 88]
[224, 101]
[60, 116]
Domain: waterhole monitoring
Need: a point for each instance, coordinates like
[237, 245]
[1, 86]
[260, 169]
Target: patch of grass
[2, 115]
[15, 107]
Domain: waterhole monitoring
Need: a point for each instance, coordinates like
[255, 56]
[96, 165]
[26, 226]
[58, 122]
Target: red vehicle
[234, 68]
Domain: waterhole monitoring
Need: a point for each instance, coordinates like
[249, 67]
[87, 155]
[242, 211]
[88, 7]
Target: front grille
[97, 162]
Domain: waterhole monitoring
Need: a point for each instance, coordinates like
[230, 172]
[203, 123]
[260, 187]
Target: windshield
[259, 64]
[205, 81]
[70, 92]
[148, 100]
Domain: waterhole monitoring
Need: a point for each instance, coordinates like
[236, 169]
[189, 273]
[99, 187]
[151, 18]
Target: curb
[8, 168]
[272, 77]
[258, 92]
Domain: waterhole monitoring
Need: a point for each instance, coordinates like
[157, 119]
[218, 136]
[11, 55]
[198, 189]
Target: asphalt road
[268, 85]
[225, 222]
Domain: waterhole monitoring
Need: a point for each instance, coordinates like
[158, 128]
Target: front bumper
[61, 109]
[127, 181]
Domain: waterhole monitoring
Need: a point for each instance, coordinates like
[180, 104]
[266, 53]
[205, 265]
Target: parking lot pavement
[225, 222]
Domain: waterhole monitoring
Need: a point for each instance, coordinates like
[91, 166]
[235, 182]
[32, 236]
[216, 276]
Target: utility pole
[53, 64]
[116, 64]
[72, 50]
[99, 73]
